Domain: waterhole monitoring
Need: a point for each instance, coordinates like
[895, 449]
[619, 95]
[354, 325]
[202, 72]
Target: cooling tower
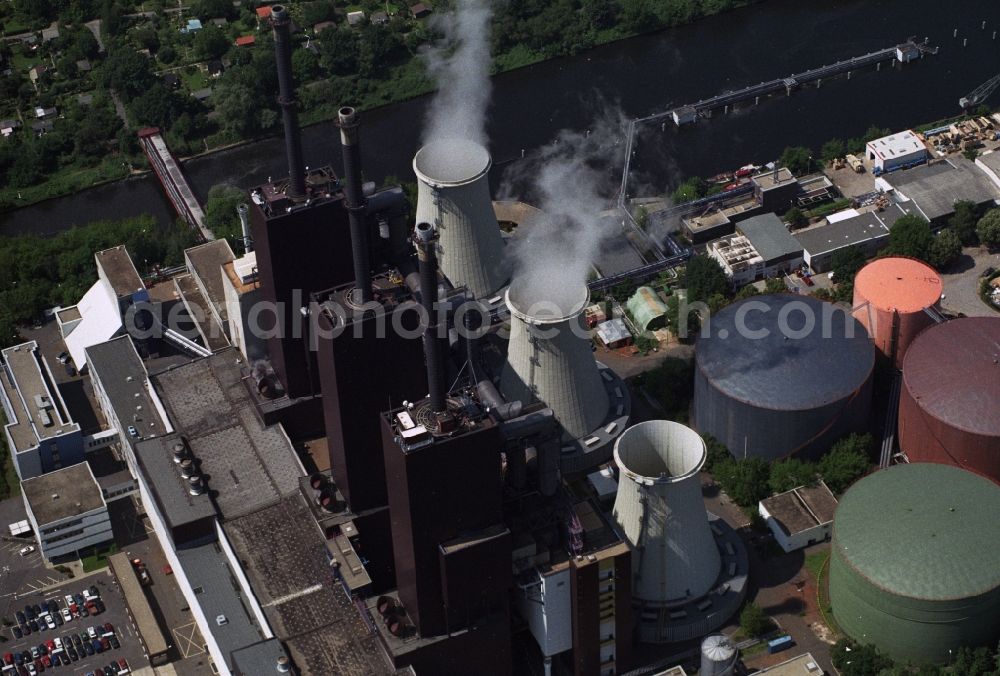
[718, 656]
[549, 358]
[454, 195]
[890, 299]
[661, 512]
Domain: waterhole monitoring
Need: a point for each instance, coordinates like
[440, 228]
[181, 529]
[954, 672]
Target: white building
[241, 289]
[800, 517]
[739, 260]
[894, 151]
[67, 510]
[40, 433]
[761, 248]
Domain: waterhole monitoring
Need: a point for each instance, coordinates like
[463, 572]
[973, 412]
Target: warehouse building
[40, 433]
[895, 151]
[67, 511]
[868, 231]
[932, 190]
[800, 517]
[913, 568]
[782, 375]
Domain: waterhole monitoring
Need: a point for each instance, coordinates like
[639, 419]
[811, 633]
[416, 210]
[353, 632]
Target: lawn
[815, 562]
[98, 557]
[66, 180]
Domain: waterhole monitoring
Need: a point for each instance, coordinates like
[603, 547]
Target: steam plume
[572, 186]
[460, 65]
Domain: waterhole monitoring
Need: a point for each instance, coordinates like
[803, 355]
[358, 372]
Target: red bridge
[172, 179]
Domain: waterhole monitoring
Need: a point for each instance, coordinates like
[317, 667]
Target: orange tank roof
[896, 283]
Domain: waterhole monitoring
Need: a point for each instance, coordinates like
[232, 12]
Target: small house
[193, 26]
[355, 18]
[215, 68]
[42, 126]
[614, 334]
[202, 94]
[36, 72]
[322, 26]
[420, 10]
[245, 41]
[379, 18]
[220, 22]
[263, 13]
[172, 81]
[50, 33]
[83, 65]
[45, 113]
[8, 127]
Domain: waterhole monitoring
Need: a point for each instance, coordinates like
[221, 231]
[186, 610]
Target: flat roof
[69, 314]
[769, 179]
[902, 144]
[285, 558]
[802, 508]
[219, 593]
[803, 665]
[251, 466]
[991, 160]
[119, 270]
[197, 306]
[23, 379]
[229, 269]
[63, 494]
[142, 613]
[169, 487]
[206, 261]
[936, 187]
[122, 375]
[711, 220]
[829, 237]
[253, 657]
[770, 237]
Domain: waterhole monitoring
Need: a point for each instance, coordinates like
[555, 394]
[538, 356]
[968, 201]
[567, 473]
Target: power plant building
[913, 569]
[949, 405]
[782, 375]
[895, 299]
[689, 568]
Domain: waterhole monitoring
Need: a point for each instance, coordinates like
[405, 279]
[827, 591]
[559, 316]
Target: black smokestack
[348, 122]
[425, 237]
[286, 98]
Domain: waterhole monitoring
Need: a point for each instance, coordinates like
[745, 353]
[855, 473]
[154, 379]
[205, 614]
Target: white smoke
[460, 64]
[572, 185]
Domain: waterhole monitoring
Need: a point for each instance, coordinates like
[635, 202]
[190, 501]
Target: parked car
[8, 659]
[96, 644]
[73, 655]
[132, 432]
[122, 666]
[105, 643]
[66, 615]
[17, 631]
[99, 606]
[21, 617]
[87, 648]
[50, 623]
[94, 594]
[32, 625]
[114, 642]
[68, 599]
[24, 551]
[109, 629]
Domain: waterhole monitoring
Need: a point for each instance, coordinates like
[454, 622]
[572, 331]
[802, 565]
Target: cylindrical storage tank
[778, 375]
[949, 405]
[718, 656]
[549, 358]
[890, 299]
[915, 563]
[660, 510]
[454, 195]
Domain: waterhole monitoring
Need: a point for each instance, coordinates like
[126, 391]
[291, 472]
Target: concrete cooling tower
[914, 562]
[893, 299]
[949, 404]
[454, 195]
[549, 358]
[678, 576]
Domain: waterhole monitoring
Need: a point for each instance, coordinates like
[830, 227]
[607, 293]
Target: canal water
[642, 76]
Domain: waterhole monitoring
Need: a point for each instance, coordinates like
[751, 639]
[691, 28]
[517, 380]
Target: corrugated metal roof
[923, 530]
[749, 356]
[646, 307]
[953, 372]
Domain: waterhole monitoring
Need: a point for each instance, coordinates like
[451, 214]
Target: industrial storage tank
[453, 194]
[718, 656]
[894, 299]
[914, 565]
[778, 375]
[949, 405]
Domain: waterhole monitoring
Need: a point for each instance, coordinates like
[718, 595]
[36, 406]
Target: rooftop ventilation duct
[454, 195]
[660, 510]
[549, 358]
[195, 485]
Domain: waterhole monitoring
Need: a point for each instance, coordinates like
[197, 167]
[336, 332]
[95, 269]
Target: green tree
[791, 473]
[157, 106]
[704, 278]
[910, 236]
[775, 285]
[167, 55]
[945, 249]
[852, 659]
[690, 190]
[748, 291]
[305, 65]
[974, 662]
[796, 159]
[210, 43]
[125, 71]
[672, 385]
[845, 264]
[339, 51]
[754, 621]
[315, 12]
[214, 9]
[963, 222]
[795, 218]
[715, 453]
[221, 217]
[846, 461]
[745, 481]
[988, 229]
[832, 149]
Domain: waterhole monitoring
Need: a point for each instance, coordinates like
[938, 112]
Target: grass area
[63, 182]
[829, 208]
[98, 557]
[815, 562]
[818, 565]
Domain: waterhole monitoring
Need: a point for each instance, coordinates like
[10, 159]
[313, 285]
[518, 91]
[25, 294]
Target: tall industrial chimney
[549, 358]
[280, 21]
[243, 211]
[454, 195]
[425, 238]
[659, 508]
[348, 123]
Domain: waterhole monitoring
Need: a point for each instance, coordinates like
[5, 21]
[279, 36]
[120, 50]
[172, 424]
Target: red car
[109, 628]
[51, 645]
[123, 664]
[47, 661]
[8, 658]
[105, 644]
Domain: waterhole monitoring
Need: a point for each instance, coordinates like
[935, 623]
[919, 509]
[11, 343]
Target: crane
[980, 93]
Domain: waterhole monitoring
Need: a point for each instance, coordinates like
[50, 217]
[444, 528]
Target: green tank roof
[647, 309]
[925, 531]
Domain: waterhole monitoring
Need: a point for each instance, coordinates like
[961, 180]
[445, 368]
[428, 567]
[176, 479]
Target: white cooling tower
[660, 509]
[718, 656]
[454, 195]
[549, 359]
